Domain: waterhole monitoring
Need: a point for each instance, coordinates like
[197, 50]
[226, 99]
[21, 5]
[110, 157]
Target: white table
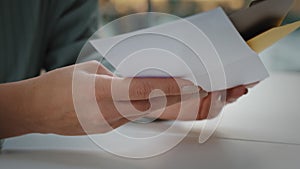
[260, 131]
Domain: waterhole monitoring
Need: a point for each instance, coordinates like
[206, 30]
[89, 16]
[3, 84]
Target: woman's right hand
[45, 104]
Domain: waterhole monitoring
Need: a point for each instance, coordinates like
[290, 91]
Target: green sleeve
[71, 24]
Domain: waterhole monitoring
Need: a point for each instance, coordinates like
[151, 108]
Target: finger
[234, 93]
[145, 107]
[157, 103]
[132, 109]
[186, 110]
[139, 88]
[204, 107]
[212, 105]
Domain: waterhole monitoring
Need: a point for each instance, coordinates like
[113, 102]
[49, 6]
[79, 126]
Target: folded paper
[204, 48]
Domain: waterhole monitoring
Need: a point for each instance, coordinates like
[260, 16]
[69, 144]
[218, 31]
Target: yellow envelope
[268, 38]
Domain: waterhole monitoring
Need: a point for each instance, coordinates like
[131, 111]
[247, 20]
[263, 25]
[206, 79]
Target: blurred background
[113, 9]
[283, 56]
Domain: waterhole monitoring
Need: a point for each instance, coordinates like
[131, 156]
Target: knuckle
[93, 63]
[143, 90]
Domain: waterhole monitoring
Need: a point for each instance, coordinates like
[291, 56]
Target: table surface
[258, 131]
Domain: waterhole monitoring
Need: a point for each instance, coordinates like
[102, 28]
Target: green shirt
[42, 34]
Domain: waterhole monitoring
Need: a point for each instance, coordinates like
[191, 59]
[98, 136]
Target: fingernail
[189, 89]
[246, 91]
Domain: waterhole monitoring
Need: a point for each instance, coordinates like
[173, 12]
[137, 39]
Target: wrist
[15, 108]
[28, 105]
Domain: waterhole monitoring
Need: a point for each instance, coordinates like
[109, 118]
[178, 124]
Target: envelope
[260, 17]
[268, 38]
[205, 49]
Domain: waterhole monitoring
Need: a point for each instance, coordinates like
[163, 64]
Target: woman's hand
[45, 104]
[87, 99]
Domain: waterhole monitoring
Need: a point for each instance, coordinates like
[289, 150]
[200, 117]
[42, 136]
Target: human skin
[45, 104]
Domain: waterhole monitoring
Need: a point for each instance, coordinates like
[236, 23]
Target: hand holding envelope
[214, 51]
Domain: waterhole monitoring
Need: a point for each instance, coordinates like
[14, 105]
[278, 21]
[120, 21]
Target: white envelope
[204, 48]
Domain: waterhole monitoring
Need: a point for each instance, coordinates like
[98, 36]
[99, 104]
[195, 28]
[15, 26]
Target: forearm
[14, 101]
